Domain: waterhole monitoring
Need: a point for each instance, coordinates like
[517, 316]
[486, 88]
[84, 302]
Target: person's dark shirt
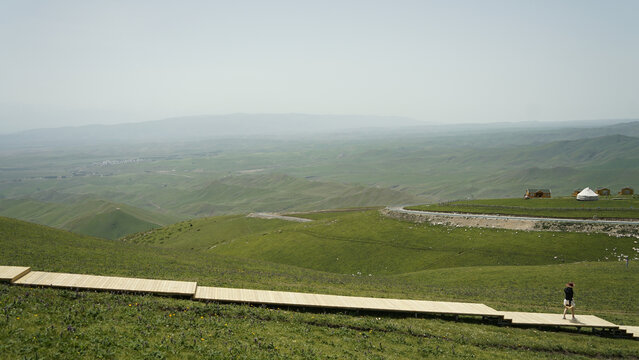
[568, 292]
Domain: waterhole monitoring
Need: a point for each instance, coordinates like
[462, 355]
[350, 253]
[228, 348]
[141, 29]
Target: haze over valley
[319, 180]
[135, 177]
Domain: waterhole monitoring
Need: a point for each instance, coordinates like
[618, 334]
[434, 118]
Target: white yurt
[587, 195]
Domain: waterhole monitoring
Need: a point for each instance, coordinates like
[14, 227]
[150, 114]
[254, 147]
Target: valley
[181, 180]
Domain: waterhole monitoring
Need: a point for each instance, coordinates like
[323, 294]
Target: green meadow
[85, 214]
[608, 207]
[50, 323]
[355, 252]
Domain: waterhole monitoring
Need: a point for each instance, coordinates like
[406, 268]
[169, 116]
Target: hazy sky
[80, 62]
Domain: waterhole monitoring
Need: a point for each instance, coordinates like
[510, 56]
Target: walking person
[569, 303]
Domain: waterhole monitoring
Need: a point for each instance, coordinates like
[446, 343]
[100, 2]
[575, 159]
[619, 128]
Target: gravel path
[277, 216]
[506, 217]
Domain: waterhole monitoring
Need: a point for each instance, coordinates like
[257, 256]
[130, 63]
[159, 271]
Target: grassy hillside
[84, 214]
[202, 234]
[434, 261]
[160, 205]
[110, 225]
[568, 207]
[65, 324]
[456, 170]
[368, 243]
[276, 192]
[61, 323]
[167, 195]
[575, 152]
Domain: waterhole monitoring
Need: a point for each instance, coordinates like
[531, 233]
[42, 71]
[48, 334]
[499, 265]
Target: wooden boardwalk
[13, 273]
[633, 330]
[96, 282]
[544, 319]
[24, 276]
[341, 302]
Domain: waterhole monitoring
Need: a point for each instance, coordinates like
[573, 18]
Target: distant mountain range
[206, 127]
[287, 126]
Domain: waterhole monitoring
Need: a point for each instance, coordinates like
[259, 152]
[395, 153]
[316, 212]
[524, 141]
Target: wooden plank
[632, 330]
[13, 273]
[95, 282]
[545, 319]
[341, 302]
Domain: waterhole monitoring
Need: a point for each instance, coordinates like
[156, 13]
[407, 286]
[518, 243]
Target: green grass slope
[277, 192]
[202, 234]
[50, 323]
[575, 152]
[84, 214]
[435, 261]
[490, 169]
[369, 243]
[62, 323]
[111, 224]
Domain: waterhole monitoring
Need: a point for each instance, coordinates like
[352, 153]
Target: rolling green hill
[364, 245]
[567, 152]
[276, 192]
[84, 214]
[441, 170]
[161, 199]
[368, 243]
[65, 323]
[110, 225]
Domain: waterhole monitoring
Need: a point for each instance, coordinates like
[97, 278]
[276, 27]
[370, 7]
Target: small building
[603, 191]
[627, 191]
[576, 192]
[537, 193]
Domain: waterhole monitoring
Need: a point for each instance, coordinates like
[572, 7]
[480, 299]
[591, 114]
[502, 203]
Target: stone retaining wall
[513, 224]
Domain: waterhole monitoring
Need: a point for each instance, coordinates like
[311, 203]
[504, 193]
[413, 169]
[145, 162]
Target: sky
[67, 63]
